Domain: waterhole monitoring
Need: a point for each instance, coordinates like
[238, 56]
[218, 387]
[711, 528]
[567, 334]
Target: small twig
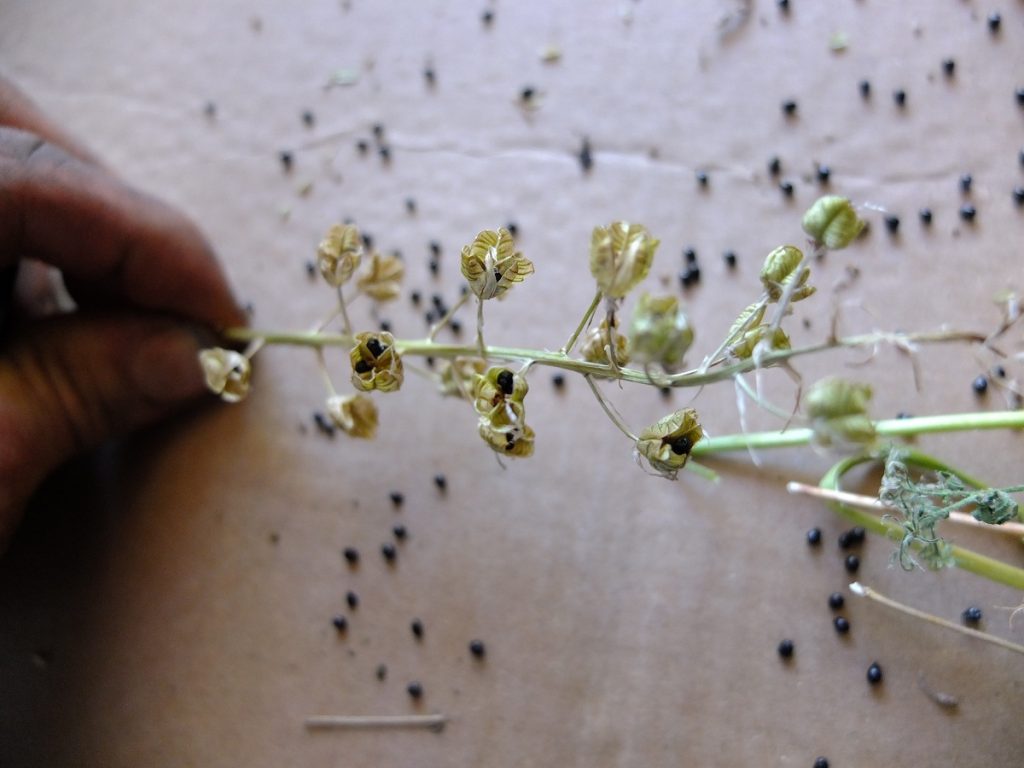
[347, 329]
[355, 722]
[868, 592]
[322, 365]
[480, 328]
[434, 329]
[609, 409]
[587, 317]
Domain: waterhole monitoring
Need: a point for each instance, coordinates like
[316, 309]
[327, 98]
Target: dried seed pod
[382, 280]
[743, 348]
[505, 430]
[355, 415]
[339, 254]
[781, 268]
[497, 387]
[667, 444]
[833, 222]
[838, 410]
[595, 344]
[749, 318]
[660, 331]
[458, 375]
[227, 373]
[621, 255]
[491, 265]
[375, 363]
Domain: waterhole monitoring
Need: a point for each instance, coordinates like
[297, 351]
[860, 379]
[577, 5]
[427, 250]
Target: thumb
[69, 382]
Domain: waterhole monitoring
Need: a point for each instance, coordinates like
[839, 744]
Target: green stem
[587, 317]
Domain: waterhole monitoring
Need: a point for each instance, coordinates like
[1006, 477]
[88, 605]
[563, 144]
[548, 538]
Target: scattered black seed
[787, 188]
[852, 563]
[367, 241]
[786, 649]
[210, 109]
[363, 146]
[814, 537]
[900, 97]
[949, 67]
[874, 673]
[382, 672]
[702, 178]
[352, 599]
[340, 623]
[904, 415]
[430, 362]
[980, 385]
[789, 108]
[690, 255]
[666, 392]
[690, 276]
[892, 223]
[389, 552]
[968, 212]
[385, 326]
[783, 5]
[435, 248]
[310, 269]
[865, 89]
[385, 154]
[730, 259]
[858, 534]
[585, 156]
[308, 119]
[400, 532]
[415, 690]
[505, 381]
[971, 615]
[375, 347]
[821, 762]
[994, 22]
[513, 228]
[351, 555]
[430, 76]
[417, 629]
[1018, 195]
[841, 624]
[965, 183]
[487, 17]
[558, 381]
[1020, 96]
[323, 423]
[836, 601]
[527, 93]
[846, 540]
[926, 215]
[477, 648]
[441, 482]
[410, 205]
[456, 327]
[287, 159]
[433, 265]
[775, 166]
[999, 371]
[415, 297]
[397, 498]
[378, 131]
[824, 172]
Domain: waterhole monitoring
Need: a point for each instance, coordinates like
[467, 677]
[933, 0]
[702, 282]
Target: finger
[71, 381]
[61, 210]
[19, 111]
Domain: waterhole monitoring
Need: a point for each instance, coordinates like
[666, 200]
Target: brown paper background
[629, 621]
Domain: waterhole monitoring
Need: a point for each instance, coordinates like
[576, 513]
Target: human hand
[146, 284]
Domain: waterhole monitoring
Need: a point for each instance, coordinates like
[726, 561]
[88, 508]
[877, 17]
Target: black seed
[841, 624]
[210, 110]
[477, 648]
[730, 259]
[786, 649]
[783, 5]
[852, 563]
[487, 17]
[363, 146]
[375, 347]
[438, 301]
[513, 228]
[287, 159]
[965, 183]
[382, 672]
[824, 172]
[389, 552]
[865, 89]
[310, 269]
[702, 178]
[506, 381]
[690, 255]
[456, 327]
[874, 673]
[775, 166]
[949, 67]
[971, 615]
[435, 248]
[967, 212]
[681, 445]
[900, 97]
[433, 266]
[400, 532]
[814, 537]
[836, 601]
[308, 118]
[846, 540]
[429, 75]
[378, 131]
[340, 623]
[689, 276]
[430, 362]
[821, 762]
[367, 241]
[527, 93]
[415, 690]
[926, 215]
[980, 385]
[385, 154]
[385, 326]
[994, 22]
[999, 371]
[789, 108]
[558, 381]
[892, 223]
[787, 188]
[666, 392]
[397, 498]
[352, 599]
[857, 533]
[1018, 195]
[415, 297]
[351, 555]
[904, 415]
[323, 424]
[586, 157]
[441, 482]
[417, 629]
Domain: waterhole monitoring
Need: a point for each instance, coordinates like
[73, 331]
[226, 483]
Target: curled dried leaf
[356, 415]
[666, 445]
[382, 279]
[833, 222]
[375, 363]
[491, 265]
[621, 255]
[660, 331]
[227, 373]
[339, 254]
[598, 340]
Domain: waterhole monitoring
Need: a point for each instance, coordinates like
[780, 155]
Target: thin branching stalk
[584, 322]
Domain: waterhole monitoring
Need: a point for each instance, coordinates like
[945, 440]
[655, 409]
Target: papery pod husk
[457, 376]
[382, 280]
[505, 430]
[754, 314]
[660, 331]
[621, 255]
[667, 444]
[355, 415]
[832, 221]
[487, 394]
[227, 373]
[385, 373]
[780, 268]
[833, 397]
[744, 347]
[594, 343]
[855, 430]
[339, 254]
[491, 265]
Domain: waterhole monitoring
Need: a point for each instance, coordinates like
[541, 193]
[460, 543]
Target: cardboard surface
[170, 601]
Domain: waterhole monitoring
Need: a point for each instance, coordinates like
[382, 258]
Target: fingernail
[166, 366]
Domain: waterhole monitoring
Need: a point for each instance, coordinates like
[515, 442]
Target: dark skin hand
[147, 286]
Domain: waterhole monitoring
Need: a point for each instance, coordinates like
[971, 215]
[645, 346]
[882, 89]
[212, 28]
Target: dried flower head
[497, 387]
[621, 255]
[382, 279]
[339, 254]
[355, 415]
[660, 331]
[505, 430]
[458, 375]
[667, 444]
[227, 373]
[780, 268]
[833, 222]
[375, 363]
[491, 264]
[598, 340]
